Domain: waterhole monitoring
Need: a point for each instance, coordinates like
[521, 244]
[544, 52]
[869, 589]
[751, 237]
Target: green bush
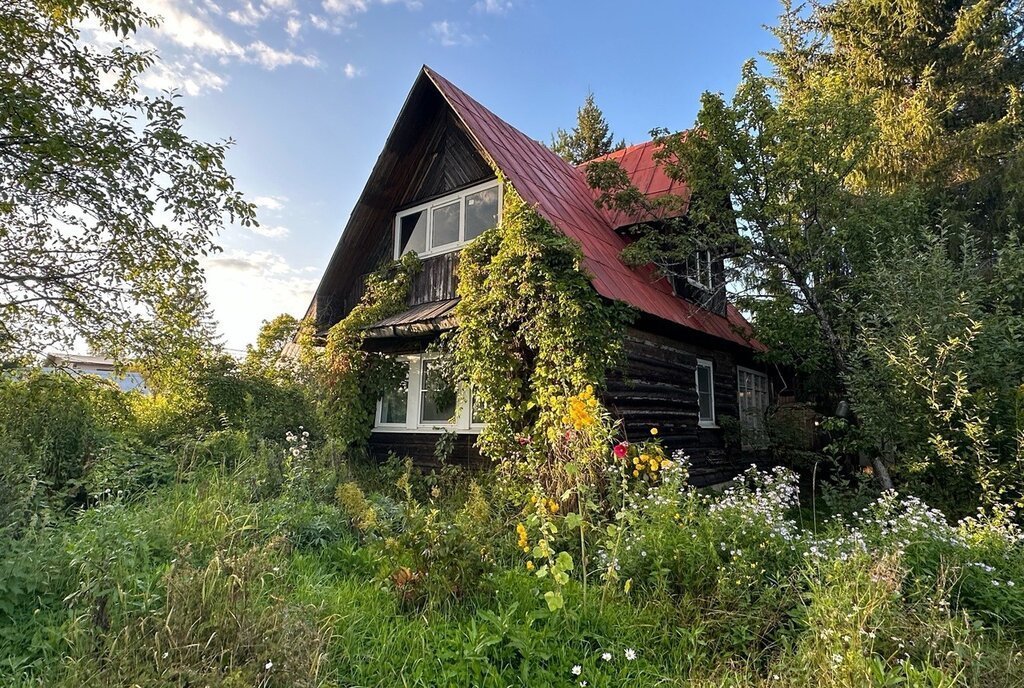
[52, 427]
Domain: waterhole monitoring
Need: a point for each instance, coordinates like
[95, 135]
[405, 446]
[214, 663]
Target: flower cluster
[643, 459]
[583, 411]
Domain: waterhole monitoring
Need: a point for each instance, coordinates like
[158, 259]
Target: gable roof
[555, 188]
[560, 193]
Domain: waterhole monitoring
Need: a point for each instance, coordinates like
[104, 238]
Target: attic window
[698, 269]
[446, 223]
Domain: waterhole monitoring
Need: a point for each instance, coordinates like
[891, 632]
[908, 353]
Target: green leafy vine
[532, 332]
[351, 380]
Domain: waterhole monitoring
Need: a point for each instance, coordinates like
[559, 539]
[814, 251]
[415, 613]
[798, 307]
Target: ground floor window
[706, 393]
[753, 396]
[423, 401]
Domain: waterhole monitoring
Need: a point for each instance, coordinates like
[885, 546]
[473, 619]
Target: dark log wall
[656, 387]
[420, 448]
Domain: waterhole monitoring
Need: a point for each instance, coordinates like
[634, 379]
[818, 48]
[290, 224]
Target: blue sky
[309, 89]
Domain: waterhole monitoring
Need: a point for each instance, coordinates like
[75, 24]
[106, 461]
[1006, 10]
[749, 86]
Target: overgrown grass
[211, 581]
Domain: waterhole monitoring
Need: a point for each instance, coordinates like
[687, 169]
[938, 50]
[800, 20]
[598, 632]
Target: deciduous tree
[106, 206]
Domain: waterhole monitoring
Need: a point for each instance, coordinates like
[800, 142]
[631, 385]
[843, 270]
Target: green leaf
[554, 600]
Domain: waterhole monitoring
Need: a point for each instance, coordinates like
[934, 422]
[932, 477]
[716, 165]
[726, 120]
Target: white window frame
[460, 197]
[710, 365]
[702, 261]
[463, 421]
[745, 441]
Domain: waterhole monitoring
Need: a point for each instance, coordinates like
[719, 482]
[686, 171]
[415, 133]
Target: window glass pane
[753, 407]
[481, 212]
[413, 233]
[394, 403]
[705, 397]
[437, 404]
[446, 225]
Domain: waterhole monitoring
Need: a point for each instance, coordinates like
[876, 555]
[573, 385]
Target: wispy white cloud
[293, 26]
[189, 31]
[345, 7]
[190, 78]
[270, 202]
[272, 58]
[451, 34]
[198, 37]
[351, 71]
[271, 231]
[492, 6]
[249, 14]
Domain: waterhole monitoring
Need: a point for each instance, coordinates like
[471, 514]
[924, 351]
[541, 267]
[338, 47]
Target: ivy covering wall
[350, 380]
[532, 331]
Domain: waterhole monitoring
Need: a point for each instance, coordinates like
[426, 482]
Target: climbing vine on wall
[349, 379]
[532, 332]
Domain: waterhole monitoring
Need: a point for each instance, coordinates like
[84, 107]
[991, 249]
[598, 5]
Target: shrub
[356, 507]
[51, 427]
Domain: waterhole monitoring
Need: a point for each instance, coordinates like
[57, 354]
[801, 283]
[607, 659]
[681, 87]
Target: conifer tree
[589, 139]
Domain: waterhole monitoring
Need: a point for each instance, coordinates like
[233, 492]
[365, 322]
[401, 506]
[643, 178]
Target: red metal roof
[646, 175]
[560, 193]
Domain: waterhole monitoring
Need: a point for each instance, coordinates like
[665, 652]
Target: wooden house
[690, 362]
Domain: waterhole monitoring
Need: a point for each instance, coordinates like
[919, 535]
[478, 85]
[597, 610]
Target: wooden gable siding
[656, 387]
[435, 158]
[436, 281]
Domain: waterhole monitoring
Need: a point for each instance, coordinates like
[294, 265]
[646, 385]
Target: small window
[752, 398]
[425, 401]
[705, 393]
[395, 403]
[437, 403]
[698, 270]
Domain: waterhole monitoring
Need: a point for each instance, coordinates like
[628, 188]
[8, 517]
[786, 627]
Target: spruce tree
[589, 139]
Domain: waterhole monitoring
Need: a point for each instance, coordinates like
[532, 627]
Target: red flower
[621, 449]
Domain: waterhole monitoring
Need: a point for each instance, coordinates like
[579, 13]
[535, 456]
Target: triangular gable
[557, 189]
[427, 153]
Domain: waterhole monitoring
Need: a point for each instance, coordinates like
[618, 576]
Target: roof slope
[560, 193]
[646, 175]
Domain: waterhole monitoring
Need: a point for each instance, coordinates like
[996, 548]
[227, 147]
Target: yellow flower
[654, 431]
[524, 540]
[530, 566]
[636, 473]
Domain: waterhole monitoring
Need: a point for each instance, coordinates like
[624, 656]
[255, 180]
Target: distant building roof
[78, 364]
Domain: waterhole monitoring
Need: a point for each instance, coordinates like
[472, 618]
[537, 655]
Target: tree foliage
[106, 206]
[866, 189]
[590, 138]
